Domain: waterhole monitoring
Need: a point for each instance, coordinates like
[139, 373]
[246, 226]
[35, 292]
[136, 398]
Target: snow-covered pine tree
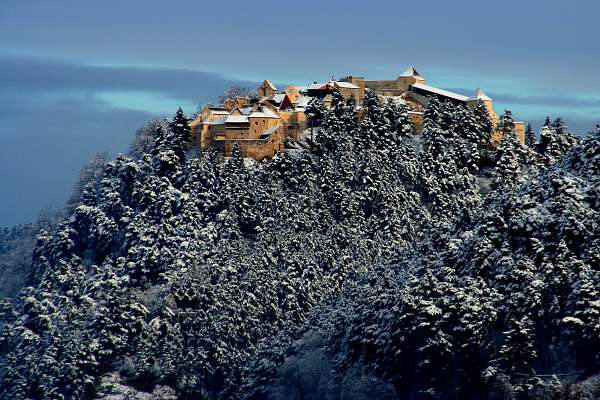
[555, 141]
[530, 138]
[315, 112]
[508, 172]
[180, 127]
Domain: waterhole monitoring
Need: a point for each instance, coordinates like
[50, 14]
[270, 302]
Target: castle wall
[382, 86]
[258, 126]
[392, 88]
[257, 149]
[347, 92]
[403, 83]
[360, 82]
[293, 123]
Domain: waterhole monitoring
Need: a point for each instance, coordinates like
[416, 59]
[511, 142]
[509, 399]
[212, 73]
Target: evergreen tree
[508, 172]
[315, 112]
[547, 121]
[484, 124]
[181, 128]
[530, 139]
[555, 141]
[372, 261]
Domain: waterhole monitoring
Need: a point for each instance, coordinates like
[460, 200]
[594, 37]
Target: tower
[478, 96]
[408, 78]
[267, 89]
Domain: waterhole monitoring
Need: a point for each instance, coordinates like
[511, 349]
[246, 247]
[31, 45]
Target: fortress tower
[408, 78]
[267, 89]
[480, 95]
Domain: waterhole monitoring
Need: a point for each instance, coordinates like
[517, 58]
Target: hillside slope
[176, 269]
[505, 306]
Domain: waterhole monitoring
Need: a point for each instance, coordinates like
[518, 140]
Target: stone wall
[258, 126]
[293, 123]
[391, 88]
[257, 149]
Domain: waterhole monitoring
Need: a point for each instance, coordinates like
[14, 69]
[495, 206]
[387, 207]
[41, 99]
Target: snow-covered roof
[263, 112]
[302, 101]
[269, 84]
[278, 98]
[440, 92]
[316, 86]
[412, 72]
[347, 85]
[218, 121]
[269, 132]
[301, 88]
[479, 95]
[236, 119]
[246, 110]
[219, 112]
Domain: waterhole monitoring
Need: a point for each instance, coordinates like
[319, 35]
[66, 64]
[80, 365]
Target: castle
[260, 126]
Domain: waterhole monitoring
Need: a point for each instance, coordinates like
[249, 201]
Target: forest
[375, 264]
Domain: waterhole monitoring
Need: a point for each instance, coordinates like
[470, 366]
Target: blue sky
[78, 77]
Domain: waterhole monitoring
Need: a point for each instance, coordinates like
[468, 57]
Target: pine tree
[315, 112]
[555, 141]
[372, 132]
[530, 139]
[508, 172]
[181, 129]
[547, 121]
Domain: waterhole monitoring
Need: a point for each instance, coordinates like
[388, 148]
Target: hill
[184, 271]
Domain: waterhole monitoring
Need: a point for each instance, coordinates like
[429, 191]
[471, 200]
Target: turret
[267, 89]
[408, 78]
[478, 96]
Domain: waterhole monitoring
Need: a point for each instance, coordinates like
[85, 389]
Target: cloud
[55, 115]
[562, 101]
[39, 75]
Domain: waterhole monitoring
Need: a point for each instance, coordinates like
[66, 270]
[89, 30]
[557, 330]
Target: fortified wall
[260, 126]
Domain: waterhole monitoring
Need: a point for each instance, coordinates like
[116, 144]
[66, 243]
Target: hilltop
[434, 265]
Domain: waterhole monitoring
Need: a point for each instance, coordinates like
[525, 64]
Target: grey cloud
[564, 101]
[45, 75]
[551, 101]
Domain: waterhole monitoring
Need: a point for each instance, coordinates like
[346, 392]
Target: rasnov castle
[260, 125]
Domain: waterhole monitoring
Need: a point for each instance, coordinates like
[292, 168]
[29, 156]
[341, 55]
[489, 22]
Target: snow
[278, 98]
[479, 95]
[269, 132]
[411, 72]
[264, 112]
[317, 86]
[236, 119]
[346, 85]
[269, 84]
[441, 92]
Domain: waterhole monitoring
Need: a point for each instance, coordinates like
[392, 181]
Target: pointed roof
[411, 72]
[269, 84]
[479, 95]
